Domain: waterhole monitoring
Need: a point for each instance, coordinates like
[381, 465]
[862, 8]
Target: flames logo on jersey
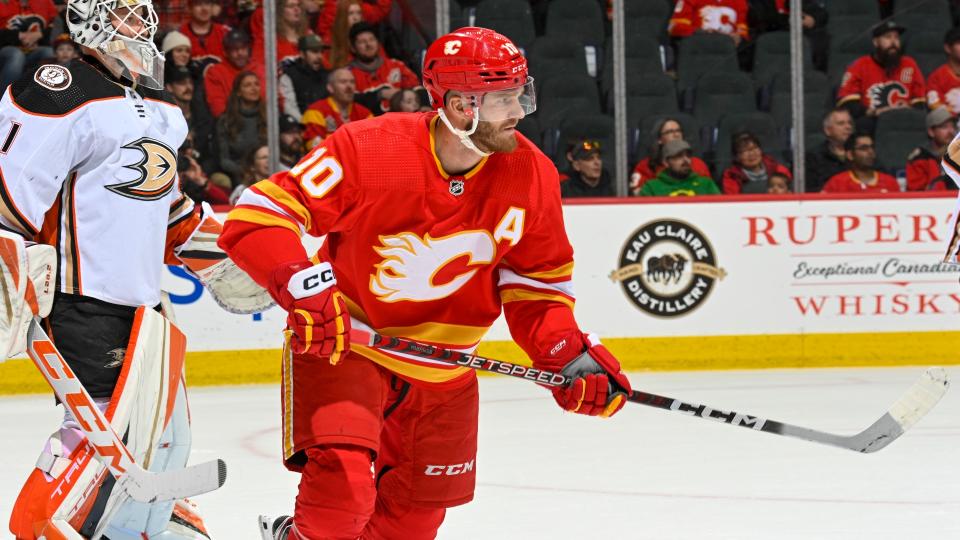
[413, 267]
[157, 168]
[29, 22]
[886, 94]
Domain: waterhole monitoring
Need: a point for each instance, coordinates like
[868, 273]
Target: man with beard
[863, 175]
[304, 81]
[923, 163]
[323, 117]
[678, 178]
[435, 223]
[179, 82]
[884, 80]
[378, 77]
[291, 141]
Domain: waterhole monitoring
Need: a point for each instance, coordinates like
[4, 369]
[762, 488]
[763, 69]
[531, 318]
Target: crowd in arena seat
[708, 86]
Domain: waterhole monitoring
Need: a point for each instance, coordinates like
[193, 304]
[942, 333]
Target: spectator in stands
[169, 14]
[323, 117]
[218, 79]
[348, 13]
[649, 167]
[24, 29]
[339, 15]
[206, 36]
[304, 81]
[378, 77]
[862, 175]
[829, 157]
[678, 178]
[178, 81]
[751, 168]
[291, 141]
[405, 100]
[715, 16]
[291, 25]
[943, 86]
[256, 167]
[195, 183]
[779, 184]
[176, 52]
[65, 50]
[242, 128]
[586, 176]
[923, 163]
[886, 79]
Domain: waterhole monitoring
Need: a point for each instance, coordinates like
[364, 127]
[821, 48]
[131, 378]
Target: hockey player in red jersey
[435, 223]
[90, 210]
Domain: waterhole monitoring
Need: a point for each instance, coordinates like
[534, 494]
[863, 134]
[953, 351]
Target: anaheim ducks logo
[157, 168]
[423, 269]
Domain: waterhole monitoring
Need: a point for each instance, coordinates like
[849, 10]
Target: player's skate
[277, 528]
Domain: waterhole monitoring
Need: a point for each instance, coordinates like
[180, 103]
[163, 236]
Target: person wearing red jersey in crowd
[751, 168]
[886, 79]
[863, 175]
[472, 186]
[206, 36]
[292, 24]
[348, 13]
[378, 77]
[649, 167]
[371, 11]
[218, 79]
[24, 27]
[923, 163]
[714, 16]
[323, 117]
[943, 85]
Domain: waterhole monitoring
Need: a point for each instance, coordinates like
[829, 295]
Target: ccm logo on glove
[311, 281]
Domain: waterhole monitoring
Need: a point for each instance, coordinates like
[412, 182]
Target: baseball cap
[310, 42]
[584, 148]
[174, 74]
[62, 39]
[938, 116]
[289, 123]
[887, 26]
[672, 148]
[236, 38]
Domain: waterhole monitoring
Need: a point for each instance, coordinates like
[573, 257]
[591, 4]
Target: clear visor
[130, 51]
[502, 105]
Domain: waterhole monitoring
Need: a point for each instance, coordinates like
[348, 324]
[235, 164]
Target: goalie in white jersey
[90, 210]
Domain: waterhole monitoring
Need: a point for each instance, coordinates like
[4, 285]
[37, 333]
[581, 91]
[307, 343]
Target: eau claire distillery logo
[667, 268]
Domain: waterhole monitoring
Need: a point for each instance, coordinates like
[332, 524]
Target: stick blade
[913, 405]
[146, 486]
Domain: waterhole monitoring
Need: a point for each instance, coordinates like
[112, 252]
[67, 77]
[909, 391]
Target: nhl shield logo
[456, 187]
[53, 77]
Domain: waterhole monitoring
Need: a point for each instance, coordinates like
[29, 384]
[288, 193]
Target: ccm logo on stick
[449, 470]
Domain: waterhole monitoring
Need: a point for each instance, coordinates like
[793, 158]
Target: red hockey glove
[316, 311]
[599, 387]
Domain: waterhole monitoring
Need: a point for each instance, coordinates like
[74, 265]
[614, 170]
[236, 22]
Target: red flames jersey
[725, 16]
[418, 253]
[323, 117]
[943, 89]
[867, 82]
[35, 16]
[846, 182]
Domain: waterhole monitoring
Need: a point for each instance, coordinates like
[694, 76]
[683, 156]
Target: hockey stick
[141, 485]
[911, 407]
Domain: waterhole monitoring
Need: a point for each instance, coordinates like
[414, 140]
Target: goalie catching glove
[316, 311]
[28, 275]
[229, 286]
[599, 386]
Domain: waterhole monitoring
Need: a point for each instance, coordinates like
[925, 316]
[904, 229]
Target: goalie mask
[120, 33]
[487, 70]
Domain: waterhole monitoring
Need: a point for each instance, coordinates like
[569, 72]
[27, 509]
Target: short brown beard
[488, 138]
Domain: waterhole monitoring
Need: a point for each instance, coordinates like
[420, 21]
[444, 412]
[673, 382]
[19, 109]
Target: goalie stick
[142, 485]
[911, 407]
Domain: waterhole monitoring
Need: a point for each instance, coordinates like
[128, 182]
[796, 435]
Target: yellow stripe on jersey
[278, 194]
[457, 335]
[414, 371]
[563, 271]
[261, 218]
[520, 295]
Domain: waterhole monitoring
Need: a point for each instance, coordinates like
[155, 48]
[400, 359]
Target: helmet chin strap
[464, 136]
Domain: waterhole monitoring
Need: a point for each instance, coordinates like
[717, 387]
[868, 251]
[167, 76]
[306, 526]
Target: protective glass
[502, 105]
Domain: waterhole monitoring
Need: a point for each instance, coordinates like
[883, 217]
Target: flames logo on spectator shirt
[887, 93]
[667, 268]
[413, 268]
[157, 168]
[29, 22]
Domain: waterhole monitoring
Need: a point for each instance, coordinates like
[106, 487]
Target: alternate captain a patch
[53, 77]
[157, 168]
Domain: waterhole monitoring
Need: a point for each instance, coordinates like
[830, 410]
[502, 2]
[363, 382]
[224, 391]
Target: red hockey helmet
[474, 62]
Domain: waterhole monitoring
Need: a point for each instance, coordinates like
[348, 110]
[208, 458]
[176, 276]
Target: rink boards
[743, 282]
